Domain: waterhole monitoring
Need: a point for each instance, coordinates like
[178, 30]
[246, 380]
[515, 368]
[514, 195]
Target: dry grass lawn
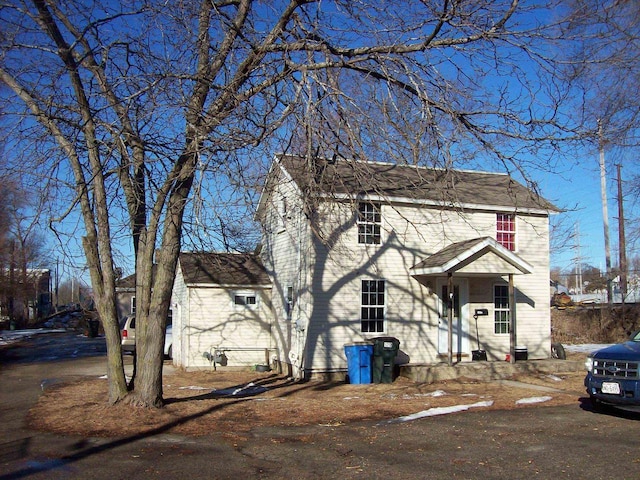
[199, 403]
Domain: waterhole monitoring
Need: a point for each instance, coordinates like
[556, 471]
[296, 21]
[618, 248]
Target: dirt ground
[230, 404]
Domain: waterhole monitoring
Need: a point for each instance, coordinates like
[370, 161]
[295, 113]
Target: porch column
[450, 318]
[512, 320]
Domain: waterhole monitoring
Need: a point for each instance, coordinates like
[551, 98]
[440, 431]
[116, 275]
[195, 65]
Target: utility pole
[622, 239]
[578, 262]
[605, 215]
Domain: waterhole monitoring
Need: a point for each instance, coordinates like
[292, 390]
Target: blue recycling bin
[359, 356]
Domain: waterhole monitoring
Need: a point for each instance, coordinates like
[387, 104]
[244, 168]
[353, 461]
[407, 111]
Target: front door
[459, 305]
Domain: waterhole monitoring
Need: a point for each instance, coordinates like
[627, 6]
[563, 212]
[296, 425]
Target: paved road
[568, 442]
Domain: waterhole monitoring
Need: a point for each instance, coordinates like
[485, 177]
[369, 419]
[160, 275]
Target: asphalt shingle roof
[223, 269]
[446, 187]
[449, 253]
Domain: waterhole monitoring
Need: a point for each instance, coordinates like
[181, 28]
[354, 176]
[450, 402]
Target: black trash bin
[385, 350]
[93, 328]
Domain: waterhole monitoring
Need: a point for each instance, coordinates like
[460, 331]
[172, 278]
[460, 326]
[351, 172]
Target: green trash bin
[385, 350]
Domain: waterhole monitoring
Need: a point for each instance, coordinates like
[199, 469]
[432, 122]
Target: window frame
[288, 301]
[507, 237]
[370, 304]
[369, 223]
[501, 310]
[244, 294]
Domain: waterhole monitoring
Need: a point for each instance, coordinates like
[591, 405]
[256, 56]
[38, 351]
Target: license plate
[612, 388]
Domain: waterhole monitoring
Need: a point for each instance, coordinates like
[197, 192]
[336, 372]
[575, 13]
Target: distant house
[126, 296]
[222, 312]
[26, 295]
[358, 250]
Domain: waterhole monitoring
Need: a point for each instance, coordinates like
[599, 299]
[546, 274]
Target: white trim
[436, 203]
[489, 243]
[514, 232]
[384, 306]
[246, 293]
[375, 205]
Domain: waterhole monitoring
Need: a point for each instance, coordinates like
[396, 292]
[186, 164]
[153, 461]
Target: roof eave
[438, 204]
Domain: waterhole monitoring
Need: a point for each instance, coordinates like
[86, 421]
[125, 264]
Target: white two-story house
[448, 262]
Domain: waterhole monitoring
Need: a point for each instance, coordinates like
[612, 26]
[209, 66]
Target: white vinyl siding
[411, 312]
[327, 280]
[244, 334]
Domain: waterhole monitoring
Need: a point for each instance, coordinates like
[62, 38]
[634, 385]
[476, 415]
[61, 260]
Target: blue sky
[577, 189]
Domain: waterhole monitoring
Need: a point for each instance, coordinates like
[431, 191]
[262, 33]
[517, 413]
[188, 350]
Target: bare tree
[143, 107]
[22, 249]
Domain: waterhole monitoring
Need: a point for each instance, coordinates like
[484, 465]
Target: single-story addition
[448, 262]
[222, 313]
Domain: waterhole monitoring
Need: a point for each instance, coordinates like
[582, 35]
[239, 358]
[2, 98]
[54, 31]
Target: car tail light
[124, 334]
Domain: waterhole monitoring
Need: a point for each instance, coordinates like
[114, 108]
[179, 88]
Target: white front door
[459, 304]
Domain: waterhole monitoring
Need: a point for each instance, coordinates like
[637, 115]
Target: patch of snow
[432, 412]
[555, 378]
[105, 377]
[193, 387]
[525, 401]
[7, 337]
[351, 398]
[244, 391]
[436, 393]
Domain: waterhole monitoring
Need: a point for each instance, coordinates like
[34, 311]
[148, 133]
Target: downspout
[299, 359]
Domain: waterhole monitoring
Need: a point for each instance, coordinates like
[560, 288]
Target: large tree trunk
[153, 292]
[104, 298]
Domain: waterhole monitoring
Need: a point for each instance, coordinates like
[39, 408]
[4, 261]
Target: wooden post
[512, 320]
[450, 303]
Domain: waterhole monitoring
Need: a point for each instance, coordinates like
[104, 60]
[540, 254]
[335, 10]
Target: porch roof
[476, 257]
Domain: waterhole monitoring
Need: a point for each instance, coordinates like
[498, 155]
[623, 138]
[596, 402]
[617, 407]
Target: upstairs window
[506, 230]
[372, 306]
[283, 214]
[369, 223]
[289, 302]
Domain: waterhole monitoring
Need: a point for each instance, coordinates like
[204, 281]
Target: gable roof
[128, 283]
[206, 268]
[393, 182]
[489, 256]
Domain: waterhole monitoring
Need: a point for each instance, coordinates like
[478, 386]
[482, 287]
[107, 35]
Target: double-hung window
[372, 306]
[369, 223]
[501, 309]
[506, 230]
